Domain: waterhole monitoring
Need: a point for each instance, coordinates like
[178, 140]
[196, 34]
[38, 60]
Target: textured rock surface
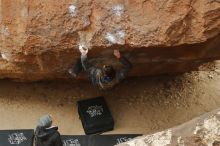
[39, 38]
[201, 131]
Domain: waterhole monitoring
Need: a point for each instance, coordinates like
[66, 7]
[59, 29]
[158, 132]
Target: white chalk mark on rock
[5, 56]
[86, 21]
[116, 37]
[73, 10]
[111, 38]
[121, 34]
[118, 10]
[5, 31]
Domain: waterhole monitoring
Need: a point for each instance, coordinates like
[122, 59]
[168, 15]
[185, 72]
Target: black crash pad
[95, 115]
[16, 137]
[75, 140]
[96, 140]
[110, 140]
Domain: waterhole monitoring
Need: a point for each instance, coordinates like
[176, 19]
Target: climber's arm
[125, 69]
[121, 74]
[84, 60]
[91, 69]
[86, 65]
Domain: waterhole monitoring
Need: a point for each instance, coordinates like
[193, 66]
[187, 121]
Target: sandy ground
[138, 105]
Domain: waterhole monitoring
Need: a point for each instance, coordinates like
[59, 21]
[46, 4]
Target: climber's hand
[117, 54]
[83, 50]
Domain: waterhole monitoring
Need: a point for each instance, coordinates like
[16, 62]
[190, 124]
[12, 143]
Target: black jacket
[47, 137]
[96, 76]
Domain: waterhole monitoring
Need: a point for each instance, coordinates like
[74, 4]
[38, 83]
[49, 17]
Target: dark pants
[78, 67]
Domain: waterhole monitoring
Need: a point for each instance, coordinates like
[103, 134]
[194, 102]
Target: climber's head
[109, 72]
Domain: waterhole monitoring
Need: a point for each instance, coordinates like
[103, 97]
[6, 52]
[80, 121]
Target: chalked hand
[83, 49]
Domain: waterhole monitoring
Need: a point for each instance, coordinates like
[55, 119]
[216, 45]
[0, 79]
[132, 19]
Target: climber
[46, 134]
[104, 78]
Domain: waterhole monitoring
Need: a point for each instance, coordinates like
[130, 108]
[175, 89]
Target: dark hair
[109, 71]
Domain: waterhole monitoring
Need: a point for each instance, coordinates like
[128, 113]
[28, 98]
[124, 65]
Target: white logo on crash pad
[71, 142]
[123, 139]
[16, 138]
[94, 111]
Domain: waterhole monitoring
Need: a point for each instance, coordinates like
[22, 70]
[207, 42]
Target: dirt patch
[139, 105]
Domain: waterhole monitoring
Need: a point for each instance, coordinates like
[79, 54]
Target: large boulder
[201, 131]
[39, 39]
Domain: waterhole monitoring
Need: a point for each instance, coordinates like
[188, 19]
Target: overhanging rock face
[39, 39]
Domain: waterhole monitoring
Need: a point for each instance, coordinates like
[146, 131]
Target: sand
[139, 105]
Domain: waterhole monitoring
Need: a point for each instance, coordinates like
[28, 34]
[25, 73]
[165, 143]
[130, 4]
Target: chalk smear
[86, 21]
[111, 38]
[5, 31]
[5, 56]
[73, 10]
[116, 37]
[118, 10]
